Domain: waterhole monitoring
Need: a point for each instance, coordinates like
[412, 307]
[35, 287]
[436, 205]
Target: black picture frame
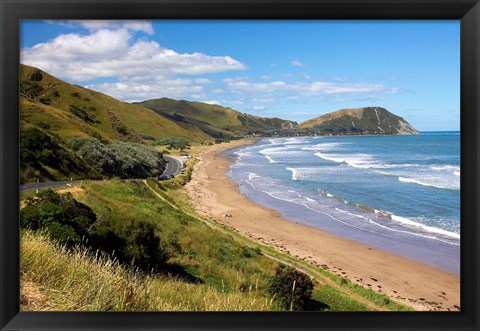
[467, 11]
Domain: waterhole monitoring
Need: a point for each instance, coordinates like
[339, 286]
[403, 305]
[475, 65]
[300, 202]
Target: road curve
[173, 166]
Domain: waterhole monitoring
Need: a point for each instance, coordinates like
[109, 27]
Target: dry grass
[55, 279]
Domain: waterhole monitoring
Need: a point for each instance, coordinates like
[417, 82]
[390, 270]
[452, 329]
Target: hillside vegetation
[54, 278]
[47, 157]
[215, 120]
[205, 266]
[70, 110]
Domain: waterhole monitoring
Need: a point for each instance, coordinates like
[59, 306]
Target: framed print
[239, 165]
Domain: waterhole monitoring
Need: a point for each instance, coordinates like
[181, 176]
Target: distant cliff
[367, 120]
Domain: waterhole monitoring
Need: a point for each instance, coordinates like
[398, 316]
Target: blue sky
[294, 70]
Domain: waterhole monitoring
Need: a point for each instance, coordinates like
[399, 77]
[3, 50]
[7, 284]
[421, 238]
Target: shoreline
[413, 283]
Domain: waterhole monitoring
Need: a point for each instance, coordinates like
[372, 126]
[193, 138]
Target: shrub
[30, 89]
[38, 147]
[69, 222]
[36, 76]
[80, 113]
[64, 219]
[291, 288]
[174, 143]
[45, 101]
[122, 159]
[75, 95]
[146, 136]
[132, 242]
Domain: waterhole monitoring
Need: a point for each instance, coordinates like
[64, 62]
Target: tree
[291, 288]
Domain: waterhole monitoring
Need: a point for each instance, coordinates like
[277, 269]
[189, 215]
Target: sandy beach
[418, 285]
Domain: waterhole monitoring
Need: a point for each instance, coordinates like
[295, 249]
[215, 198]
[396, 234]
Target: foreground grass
[208, 256]
[219, 268]
[337, 292]
[55, 279]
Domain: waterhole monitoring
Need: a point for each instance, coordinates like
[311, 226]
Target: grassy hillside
[367, 120]
[70, 110]
[217, 121]
[56, 279]
[209, 268]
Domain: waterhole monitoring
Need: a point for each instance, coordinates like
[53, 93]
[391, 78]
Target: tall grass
[230, 271]
[55, 279]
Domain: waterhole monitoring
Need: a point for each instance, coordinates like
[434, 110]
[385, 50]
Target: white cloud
[139, 91]
[94, 25]
[141, 68]
[264, 99]
[203, 81]
[312, 88]
[258, 107]
[107, 53]
[213, 102]
[297, 63]
[217, 90]
[199, 96]
[266, 77]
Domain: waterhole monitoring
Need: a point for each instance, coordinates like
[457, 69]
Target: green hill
[57, 112]
[367, 120]
[215, 120]
[70, 111]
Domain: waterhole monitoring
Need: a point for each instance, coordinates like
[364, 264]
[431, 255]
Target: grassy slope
[214, 258]
[233, 276]
[138, 120]
[218, 120]
[352, 112]
[55, 279]
[338, 292]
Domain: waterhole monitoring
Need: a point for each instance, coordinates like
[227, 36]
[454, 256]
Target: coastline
[413, 283]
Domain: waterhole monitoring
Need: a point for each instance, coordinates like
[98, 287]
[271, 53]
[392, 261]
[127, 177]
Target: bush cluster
[62, 217]
[38, 148]
[174, 143]
[118, 158]
[291, 288]
[69, 222]
[30, 89]
[81, 114]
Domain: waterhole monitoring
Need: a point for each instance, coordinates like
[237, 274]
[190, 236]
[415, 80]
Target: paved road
[44, 185]
[174, 165]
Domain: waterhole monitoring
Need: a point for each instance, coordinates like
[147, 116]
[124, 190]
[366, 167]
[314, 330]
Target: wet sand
[418, 285]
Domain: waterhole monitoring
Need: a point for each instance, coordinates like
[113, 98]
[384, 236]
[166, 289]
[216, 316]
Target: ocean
[397, 193]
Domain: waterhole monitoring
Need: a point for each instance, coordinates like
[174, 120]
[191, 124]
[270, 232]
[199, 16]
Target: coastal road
[35, 186]
[173, 166]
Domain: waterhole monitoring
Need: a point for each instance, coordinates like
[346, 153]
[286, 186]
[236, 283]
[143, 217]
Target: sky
[294, 70]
